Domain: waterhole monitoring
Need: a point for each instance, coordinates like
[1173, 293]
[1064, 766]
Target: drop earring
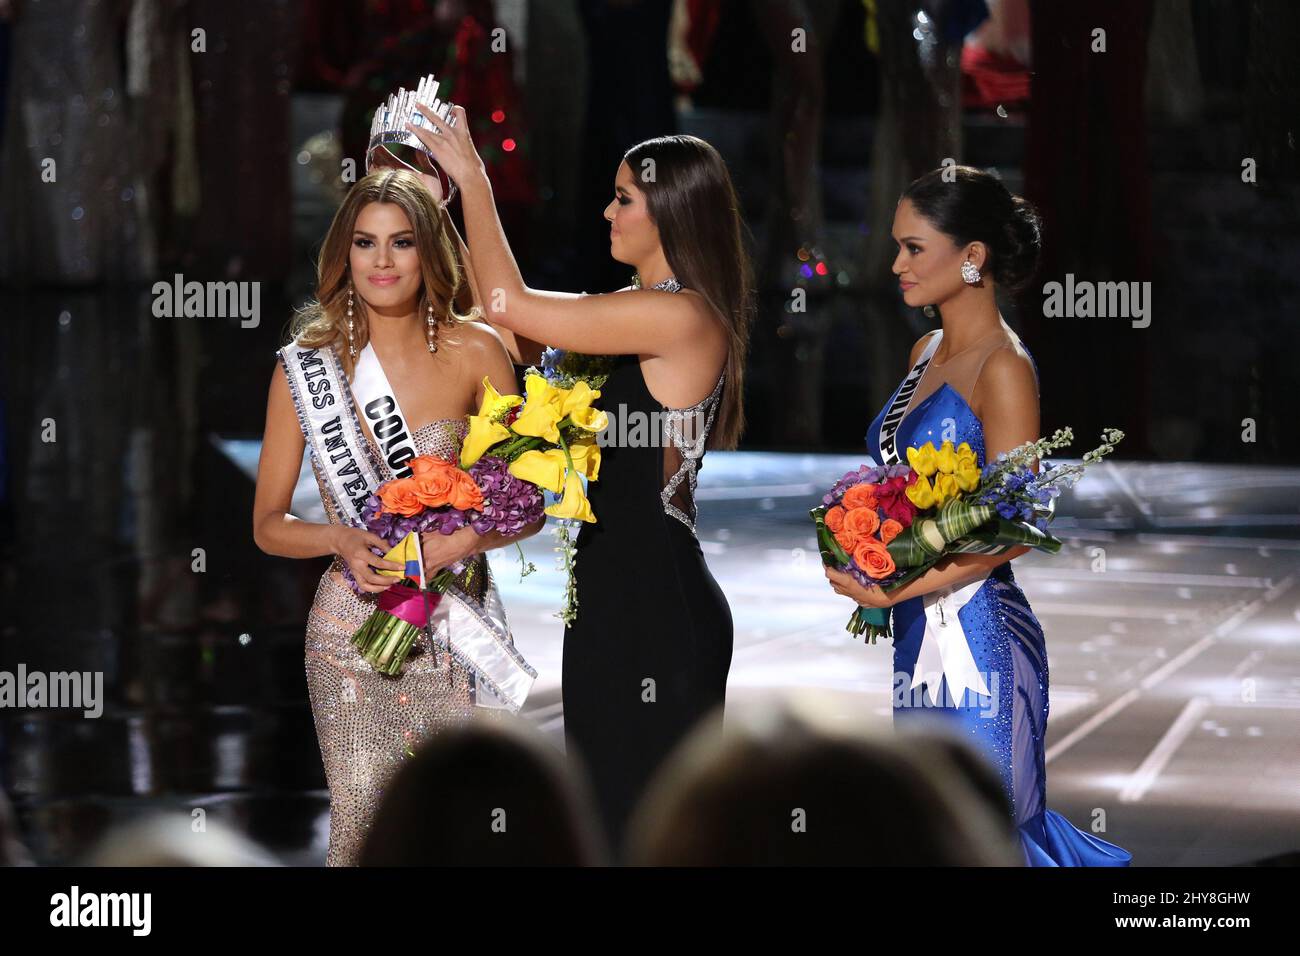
[431, 332]
[352, 346]
[969, 274]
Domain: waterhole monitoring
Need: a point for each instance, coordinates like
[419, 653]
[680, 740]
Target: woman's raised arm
[611, 324]
[521, 349]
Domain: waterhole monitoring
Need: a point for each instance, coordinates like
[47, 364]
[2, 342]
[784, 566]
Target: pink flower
[893, 501]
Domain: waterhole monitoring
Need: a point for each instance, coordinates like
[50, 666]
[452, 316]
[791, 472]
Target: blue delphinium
[551, 359]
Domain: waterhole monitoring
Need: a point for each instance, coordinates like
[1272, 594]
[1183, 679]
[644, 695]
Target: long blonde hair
[323, 320]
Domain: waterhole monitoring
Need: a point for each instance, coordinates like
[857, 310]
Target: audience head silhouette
[483, 794]
[783, 786]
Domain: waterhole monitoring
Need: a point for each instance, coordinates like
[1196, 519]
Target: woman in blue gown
[968, 649]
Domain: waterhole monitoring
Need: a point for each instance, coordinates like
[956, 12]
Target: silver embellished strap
[691, 451]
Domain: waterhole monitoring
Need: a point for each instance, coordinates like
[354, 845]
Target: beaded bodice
[685, 432]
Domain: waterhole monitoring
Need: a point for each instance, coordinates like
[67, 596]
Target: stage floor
[1171, 614]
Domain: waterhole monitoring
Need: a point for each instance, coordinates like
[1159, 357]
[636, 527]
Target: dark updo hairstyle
[974, 206]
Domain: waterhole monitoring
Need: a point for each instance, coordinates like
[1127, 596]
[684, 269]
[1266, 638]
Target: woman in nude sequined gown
[388, 276]
[649, 651]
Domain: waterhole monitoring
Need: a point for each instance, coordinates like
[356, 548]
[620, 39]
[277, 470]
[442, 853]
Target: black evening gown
[648, 653]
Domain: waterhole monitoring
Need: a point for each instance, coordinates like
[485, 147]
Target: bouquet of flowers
[547, 438]
[887, 525]
[437, 496]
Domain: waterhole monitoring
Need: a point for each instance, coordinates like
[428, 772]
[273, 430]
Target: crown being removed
[388, 128]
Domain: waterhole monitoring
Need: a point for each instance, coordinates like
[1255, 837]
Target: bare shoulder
[920, 345]
[1009, 370]
[279, 378]
[694, 301]
[483, 339]
[704, 320]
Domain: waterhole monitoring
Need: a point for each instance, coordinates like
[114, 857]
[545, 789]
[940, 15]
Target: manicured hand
[443, 550]
[353, 546]
[452, 147]
[844, 583]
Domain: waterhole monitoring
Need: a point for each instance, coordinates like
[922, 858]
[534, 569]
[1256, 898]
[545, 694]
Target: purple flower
[509, 503]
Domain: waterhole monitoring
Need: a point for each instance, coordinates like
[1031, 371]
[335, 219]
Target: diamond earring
[969, 274]
[431, 333]
[352, 347]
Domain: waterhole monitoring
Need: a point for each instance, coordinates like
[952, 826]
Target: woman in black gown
[648, 653]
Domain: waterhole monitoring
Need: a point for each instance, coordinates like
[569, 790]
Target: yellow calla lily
[919, 492]
[586, 458]
[545, 469]
[494, 404]
[574, 504]
[923, 460]
[538, 389]
[578, 397]
[589, 419]
[483, 434]
[542, 410]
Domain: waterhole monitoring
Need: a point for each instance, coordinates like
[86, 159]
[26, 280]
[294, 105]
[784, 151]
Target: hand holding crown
[450, 145]
[398, 131]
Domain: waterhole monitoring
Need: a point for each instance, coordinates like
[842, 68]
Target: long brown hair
[693, 203]
[323, 321]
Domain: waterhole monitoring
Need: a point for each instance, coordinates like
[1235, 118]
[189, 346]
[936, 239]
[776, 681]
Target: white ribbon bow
[945, 649]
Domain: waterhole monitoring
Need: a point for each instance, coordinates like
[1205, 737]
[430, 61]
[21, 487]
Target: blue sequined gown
[1007, 644]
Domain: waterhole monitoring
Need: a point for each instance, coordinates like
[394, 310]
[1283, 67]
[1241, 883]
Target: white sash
[902, 399]
[378, 403]
[477, 635]
[945, 647]
[329, 425]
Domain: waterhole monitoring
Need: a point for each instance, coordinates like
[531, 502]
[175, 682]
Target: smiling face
[633, 236]
[383, 259]
[928, 264]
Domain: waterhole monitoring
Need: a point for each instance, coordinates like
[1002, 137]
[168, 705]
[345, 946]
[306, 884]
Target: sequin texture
[368, 724]
[685, 438]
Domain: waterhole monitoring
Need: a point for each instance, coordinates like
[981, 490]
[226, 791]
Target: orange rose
[847, 539]
[889, 529]
[860, 496]
[834, 519]
[421, 464]
[433, 488]
[873, 559]
[399, 497]
[861, 522]
[465, 494]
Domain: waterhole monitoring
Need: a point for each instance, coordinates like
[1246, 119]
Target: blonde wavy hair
[323, 320]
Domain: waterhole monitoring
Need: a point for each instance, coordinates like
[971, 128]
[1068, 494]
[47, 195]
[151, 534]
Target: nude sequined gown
[368, 724]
